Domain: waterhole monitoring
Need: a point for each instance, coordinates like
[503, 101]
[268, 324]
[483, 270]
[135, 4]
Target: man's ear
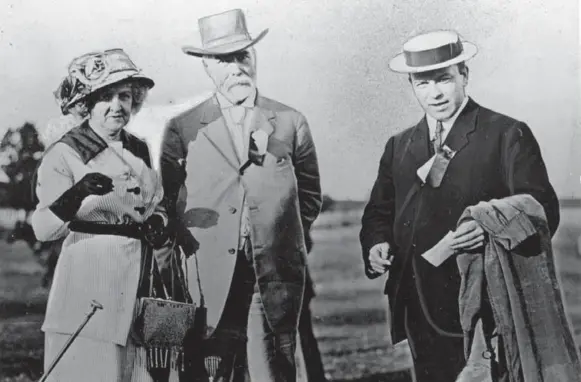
[466, 74]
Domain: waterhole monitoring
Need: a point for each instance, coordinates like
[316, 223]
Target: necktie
[440, 164]
[437, 142]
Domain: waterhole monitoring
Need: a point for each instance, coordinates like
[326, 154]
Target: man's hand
[379, 258]
[468, 236]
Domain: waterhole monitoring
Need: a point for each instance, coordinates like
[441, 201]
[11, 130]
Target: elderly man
[240, 173]
[459, 154]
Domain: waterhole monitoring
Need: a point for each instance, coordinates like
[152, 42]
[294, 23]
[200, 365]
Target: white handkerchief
[425, 169]
[440, 252]
[261, 140]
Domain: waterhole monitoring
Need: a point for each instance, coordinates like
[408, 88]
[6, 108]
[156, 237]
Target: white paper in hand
[440, 252]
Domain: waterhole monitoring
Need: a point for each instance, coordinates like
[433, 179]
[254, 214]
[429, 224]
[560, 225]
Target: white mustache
[243, 80]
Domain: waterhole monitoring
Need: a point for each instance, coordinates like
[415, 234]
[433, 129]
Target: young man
[459, 154]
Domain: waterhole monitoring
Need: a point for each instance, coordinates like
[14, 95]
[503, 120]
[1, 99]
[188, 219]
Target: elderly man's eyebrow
[236, 56]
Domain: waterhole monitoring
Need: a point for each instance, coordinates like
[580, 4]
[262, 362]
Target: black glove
[155, 231]
[186, 241]
[67, 205]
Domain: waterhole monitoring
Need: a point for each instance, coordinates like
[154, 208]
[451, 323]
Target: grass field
[349, 310]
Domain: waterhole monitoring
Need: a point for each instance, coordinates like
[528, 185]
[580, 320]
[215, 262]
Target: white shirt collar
[447, 125]
[248, 102]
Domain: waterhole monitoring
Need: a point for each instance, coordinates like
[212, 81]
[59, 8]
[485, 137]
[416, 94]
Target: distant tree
[20, 151]
[328, 203]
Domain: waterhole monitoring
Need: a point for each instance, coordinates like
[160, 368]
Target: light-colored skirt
[96, 361]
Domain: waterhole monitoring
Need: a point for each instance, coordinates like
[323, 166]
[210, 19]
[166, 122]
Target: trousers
[248, 348]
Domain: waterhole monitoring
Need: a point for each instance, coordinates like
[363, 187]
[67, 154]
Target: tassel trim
[161, 358]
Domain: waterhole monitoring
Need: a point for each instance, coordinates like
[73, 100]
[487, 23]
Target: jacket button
[232, 210]
[231, 251]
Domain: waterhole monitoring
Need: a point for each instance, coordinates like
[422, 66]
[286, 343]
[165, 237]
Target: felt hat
[223, 33]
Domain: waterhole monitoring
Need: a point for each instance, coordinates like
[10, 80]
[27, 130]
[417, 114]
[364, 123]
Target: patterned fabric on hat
[70, 90]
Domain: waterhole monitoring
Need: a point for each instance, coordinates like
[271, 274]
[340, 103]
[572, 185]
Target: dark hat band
[433, 56]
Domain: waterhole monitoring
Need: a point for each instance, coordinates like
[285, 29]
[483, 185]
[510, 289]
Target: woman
[96, 188]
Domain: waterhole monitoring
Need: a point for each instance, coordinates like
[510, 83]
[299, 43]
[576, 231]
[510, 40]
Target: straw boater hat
[223, 33]
[431, 51]
[96, 70]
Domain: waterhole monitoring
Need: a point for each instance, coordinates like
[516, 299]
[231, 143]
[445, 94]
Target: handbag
[161, 324]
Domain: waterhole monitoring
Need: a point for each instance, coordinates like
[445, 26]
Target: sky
[326, 58]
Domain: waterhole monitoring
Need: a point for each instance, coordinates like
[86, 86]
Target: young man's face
[234, 74]
[440, 92]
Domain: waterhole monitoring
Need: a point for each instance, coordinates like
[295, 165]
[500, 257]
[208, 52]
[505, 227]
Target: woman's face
[112, 109]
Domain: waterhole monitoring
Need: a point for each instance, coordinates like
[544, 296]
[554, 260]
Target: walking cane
[94, 306]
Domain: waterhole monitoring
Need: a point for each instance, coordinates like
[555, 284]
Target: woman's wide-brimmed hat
[431, 51]
[223, 33]
[96, 70]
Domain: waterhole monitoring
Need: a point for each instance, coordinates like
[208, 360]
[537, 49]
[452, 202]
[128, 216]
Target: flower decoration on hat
[90, 69]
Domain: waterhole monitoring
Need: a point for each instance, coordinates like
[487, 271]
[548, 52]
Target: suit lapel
[465, 124]
[218, 134]
[418, 143]
[263, 118]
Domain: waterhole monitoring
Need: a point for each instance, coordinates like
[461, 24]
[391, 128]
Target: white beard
[239, 93]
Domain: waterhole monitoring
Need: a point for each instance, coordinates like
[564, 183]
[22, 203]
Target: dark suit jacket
[496, 156]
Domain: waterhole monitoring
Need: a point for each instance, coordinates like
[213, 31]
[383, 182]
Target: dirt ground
[349, 310]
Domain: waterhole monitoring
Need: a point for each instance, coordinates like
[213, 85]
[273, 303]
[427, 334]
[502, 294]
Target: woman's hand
[94, 183]
[68, 204]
